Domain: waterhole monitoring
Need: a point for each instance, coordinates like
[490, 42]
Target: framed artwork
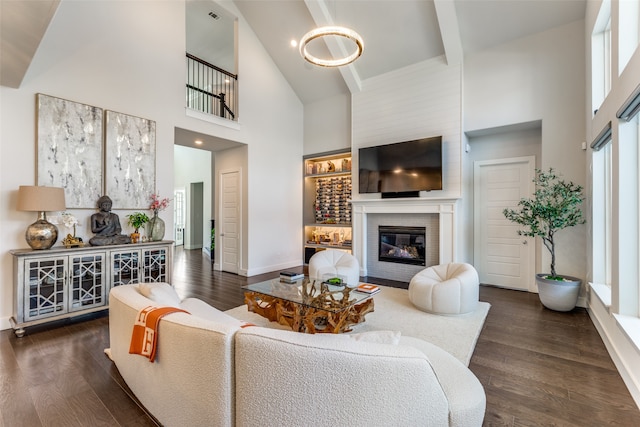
[130, 165]
[69, 149]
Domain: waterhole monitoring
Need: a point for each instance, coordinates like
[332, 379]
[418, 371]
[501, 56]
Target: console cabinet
[64, 282]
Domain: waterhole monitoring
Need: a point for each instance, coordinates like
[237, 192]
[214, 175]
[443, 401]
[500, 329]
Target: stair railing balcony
[211, 89]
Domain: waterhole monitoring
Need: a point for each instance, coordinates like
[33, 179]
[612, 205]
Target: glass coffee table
[308, 306]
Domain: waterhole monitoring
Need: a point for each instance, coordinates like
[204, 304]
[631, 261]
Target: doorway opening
[197, 158]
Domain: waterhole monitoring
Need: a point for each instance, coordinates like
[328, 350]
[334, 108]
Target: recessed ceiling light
[198, 142]
[294, 43]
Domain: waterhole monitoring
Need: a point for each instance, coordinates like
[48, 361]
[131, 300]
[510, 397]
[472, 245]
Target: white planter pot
[558, 295]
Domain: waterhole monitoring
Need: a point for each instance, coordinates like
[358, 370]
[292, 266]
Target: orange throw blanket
[144, 339]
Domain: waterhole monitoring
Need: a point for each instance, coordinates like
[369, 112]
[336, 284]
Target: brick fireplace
[437, 217]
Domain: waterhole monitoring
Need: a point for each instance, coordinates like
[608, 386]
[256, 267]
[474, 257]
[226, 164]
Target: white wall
[417, 101]
[537, 78]
[111, 55]
[193, 165]
[327, 125]
[274, 171]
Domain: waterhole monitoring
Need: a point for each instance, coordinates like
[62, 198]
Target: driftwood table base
[302, 318]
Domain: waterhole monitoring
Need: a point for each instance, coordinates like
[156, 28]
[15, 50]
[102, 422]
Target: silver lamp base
[41, 234]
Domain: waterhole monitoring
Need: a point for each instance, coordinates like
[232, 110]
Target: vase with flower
[156, 226]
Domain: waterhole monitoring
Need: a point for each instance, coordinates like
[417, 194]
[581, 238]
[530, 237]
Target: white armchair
[336, 263]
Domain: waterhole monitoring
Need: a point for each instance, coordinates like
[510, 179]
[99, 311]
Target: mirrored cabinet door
[155, 266]
[125, 267]
[46, 287]
[87, 281]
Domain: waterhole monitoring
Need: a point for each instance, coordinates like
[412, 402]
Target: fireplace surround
[439, 216]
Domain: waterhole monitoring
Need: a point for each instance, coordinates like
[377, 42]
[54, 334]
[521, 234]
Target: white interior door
[501, 256]
[231, 192]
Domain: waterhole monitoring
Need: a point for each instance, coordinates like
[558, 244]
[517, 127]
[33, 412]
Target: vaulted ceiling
[396, 33]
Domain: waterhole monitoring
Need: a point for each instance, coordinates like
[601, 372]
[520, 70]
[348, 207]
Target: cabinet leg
[19, 332]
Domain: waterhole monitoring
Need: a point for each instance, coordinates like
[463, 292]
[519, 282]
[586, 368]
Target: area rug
[393, 311]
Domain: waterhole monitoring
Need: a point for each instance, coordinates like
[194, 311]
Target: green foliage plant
[555, 205]
[137, 220]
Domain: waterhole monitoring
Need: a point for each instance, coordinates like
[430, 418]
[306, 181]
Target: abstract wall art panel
[130, 167]
[69, 149]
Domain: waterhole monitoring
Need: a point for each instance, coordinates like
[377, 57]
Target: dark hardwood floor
[538, 367]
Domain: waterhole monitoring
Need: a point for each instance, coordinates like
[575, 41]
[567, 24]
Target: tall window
[607, 187]
[628, 31]
[603, 209]
[627, 210]
[636, 284]
[179, 208]
[601, 56]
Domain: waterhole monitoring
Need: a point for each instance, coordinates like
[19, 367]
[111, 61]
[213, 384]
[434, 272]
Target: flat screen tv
[401, 168]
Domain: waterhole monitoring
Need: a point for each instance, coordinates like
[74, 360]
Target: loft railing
[211, 89]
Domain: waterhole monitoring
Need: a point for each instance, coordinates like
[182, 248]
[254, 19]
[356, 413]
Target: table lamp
[41, 234]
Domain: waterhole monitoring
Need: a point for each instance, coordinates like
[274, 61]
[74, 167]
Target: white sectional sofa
[209, 371]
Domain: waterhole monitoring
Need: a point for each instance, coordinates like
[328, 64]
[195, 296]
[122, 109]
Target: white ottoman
[445, 289]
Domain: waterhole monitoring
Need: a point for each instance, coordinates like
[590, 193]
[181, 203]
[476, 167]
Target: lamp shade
[40, 199]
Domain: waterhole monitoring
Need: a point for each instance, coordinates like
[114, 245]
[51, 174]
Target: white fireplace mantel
[446, 208]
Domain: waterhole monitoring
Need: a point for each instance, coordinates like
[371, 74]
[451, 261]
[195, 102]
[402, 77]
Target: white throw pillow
[162, 293]
[379, 337]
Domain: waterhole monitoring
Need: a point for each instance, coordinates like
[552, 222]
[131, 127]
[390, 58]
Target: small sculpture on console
[106, 225]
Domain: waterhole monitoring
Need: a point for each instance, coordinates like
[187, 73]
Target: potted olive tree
[555, 205]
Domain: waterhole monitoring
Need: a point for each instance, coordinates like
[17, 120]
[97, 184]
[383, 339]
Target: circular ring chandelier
[331, 31]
